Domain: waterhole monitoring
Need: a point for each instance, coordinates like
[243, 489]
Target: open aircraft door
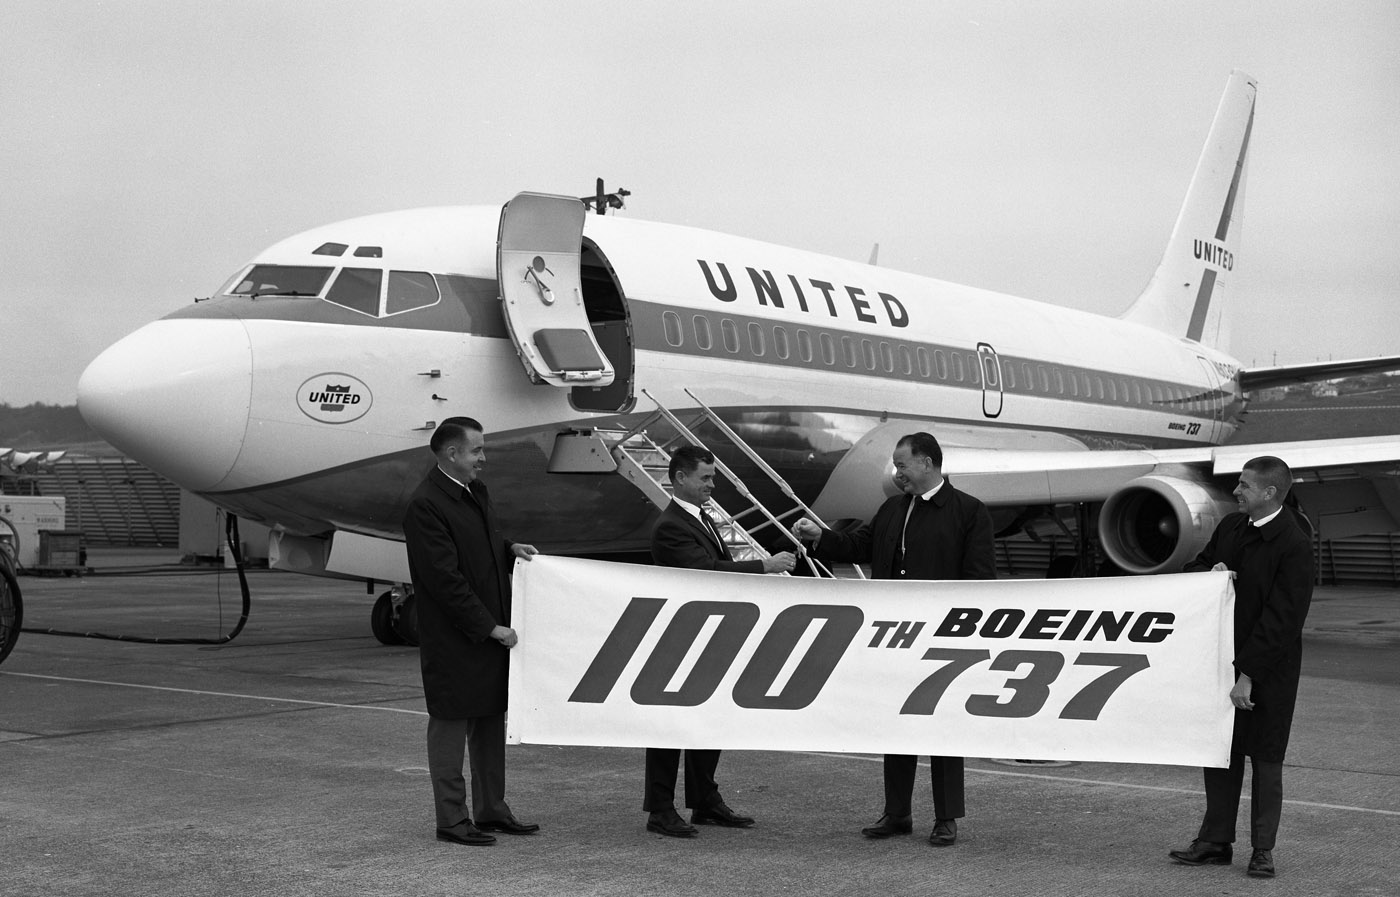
[537, 265]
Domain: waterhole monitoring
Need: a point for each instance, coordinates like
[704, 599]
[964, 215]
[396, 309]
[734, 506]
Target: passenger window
[828, 348]
[924, 370]
[780, 342]
[358, 290]
[940, 363]
[729, 332]
[671, 327]
[848, 351]
[756, 339]
[958, 369]
[906, 364]
[702, 332]
[409, 290]
[804, 346]
[887, 358]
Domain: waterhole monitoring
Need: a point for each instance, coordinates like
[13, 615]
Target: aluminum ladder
[644, 463]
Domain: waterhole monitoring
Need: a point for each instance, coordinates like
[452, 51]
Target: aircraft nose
[174, 395]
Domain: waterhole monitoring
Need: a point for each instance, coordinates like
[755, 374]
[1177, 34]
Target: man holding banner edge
[931, 531]
[1271, 560]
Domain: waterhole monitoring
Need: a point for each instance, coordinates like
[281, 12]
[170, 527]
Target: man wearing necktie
[686, 536]
[931, 531]
[461, 566]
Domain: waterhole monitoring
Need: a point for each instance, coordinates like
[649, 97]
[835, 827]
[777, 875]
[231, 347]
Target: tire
[406, 623]
[11, 612]
[381, 620]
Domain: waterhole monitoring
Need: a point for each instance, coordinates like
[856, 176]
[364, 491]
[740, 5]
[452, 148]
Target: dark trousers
[947, 776]
[662, 767]
[1223, 788]
[483, 740]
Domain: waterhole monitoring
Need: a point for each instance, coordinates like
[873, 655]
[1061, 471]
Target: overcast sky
[148, 149]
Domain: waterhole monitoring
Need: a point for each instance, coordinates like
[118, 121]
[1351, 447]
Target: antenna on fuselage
[601, 201]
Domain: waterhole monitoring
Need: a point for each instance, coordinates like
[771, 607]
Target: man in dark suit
[461, 566]
[686, 536]
[1270, 556]
[932, 531]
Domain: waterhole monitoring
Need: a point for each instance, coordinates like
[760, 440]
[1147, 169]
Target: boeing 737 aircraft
[303, 393]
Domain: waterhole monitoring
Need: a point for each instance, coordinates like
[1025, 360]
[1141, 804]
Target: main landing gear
[394, 619]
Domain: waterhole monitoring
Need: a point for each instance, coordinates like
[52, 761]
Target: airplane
[302, 394]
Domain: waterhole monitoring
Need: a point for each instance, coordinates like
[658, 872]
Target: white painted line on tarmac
[986, 772]
[1076, 781]
[217, 694]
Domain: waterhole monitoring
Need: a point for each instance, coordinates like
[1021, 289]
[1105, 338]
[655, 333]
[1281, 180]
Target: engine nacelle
[1155, 524]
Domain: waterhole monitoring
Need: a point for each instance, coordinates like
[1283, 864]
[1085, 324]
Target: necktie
[714, 528]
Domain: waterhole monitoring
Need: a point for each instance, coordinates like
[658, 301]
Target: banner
[1126, 669]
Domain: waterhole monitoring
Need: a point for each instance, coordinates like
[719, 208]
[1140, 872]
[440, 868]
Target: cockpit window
[409, 290]
[282, 280]
[369, 252]
[479, 300]
[336, 249]
[357, 289]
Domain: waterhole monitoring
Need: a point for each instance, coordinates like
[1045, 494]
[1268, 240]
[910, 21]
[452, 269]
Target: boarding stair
[644, 463]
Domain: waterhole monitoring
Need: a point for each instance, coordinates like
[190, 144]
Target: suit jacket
[1273, 589]
[949, 537]
[460, 564]
[679, 540]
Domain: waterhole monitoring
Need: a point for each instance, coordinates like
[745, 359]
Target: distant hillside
[41, 427]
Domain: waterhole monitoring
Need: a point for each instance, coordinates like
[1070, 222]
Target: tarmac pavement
[291, 762]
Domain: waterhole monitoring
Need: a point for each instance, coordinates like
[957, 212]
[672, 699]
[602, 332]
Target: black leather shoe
[944, 834]
[510, 826]
[718, 813]
[1261, 864]
[1205, 853]
[465, 833]
[670, 823]
[889, 825]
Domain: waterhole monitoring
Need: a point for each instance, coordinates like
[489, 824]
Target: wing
[1158, 506]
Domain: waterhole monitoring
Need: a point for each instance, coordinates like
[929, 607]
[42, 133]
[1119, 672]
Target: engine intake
[1155, 524]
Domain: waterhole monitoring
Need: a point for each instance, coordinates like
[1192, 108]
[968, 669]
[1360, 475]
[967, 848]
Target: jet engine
[1156, 523]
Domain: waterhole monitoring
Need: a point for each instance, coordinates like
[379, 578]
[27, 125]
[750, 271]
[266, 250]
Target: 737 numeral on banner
[839, 625]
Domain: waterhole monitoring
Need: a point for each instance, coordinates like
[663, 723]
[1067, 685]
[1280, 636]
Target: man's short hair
[454, 429]
[1272, 472]
[922, 443]
[688, 458]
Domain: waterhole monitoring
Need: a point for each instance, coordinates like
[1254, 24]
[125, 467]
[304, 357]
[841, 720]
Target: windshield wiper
[257, 294]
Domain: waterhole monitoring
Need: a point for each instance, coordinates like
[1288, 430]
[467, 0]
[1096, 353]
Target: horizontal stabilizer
[1263, 378]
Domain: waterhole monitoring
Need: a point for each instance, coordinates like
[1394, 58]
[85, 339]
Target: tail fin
[1186, 295]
